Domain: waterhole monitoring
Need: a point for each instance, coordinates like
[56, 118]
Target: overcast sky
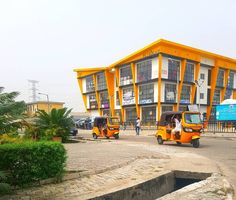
[45, 40]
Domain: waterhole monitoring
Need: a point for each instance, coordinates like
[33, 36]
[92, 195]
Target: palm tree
[58, 122]
[11, 111]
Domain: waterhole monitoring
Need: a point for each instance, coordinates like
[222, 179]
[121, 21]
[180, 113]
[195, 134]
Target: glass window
[182, 108]
[173, 69]
[167, 108]
[101, 81]
[149, 115]
[201, 95]
[126, 75]
[202, 76]
[118, 113]
[228, 93]
[189, 72]
[170, 92]
[89, 84]
[106, 112]
[117, 98]
[216, 99]
[146, 94]
[192, 118]
[130, 114]
[220, 78]
[231, 80]
[104, 100]
[93, 102]
[144, 71]
[128, 96]
[185, 95]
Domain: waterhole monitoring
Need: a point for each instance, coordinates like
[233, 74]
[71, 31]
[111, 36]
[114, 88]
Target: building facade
[33, 107]
[163, 76]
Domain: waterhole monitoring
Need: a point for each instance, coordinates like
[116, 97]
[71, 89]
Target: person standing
[137, 126]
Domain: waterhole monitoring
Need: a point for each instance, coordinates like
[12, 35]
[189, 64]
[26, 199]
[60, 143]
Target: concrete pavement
[104, 166]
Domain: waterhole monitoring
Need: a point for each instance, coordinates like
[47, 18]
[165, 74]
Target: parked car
[74, 130]
[88, 124]
[80, 123]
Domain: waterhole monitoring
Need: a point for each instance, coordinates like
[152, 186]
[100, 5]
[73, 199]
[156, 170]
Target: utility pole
[34, 90]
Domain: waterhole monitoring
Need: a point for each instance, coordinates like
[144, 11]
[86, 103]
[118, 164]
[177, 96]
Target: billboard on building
[226, 112]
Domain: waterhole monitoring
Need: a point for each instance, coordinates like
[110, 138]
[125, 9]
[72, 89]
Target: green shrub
[4, 187]
[29, 162]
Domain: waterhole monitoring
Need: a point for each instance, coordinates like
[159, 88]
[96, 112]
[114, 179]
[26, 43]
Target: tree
[11, 111]
[56, 123]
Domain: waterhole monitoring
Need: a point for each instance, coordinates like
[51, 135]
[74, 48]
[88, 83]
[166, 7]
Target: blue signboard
[226, 112]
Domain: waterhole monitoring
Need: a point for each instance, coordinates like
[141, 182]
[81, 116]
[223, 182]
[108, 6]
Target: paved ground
[107, 165]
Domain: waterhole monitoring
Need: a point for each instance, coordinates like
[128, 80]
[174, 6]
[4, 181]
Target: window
[149, 115]
[117, 98]
[144, 71]
[189, 72]
[101, 81]
[231, 80]
[92, 101]
[130, 114]
[146, 94]
[118, 113]
[201, 95]
[173, 69]
[185, 95]
[202, 76]
[228, 94]
[106, 112]
[170, 93]
[216, 99]
[167, 108]
[220, 78]
[126, 75]
[89, 84]
[104, 100]
[183, 108]
[128, 96]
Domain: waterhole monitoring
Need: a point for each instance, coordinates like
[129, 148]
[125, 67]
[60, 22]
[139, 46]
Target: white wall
[162, 91]
[155, 68]
[84, 84]
[155, 92]
[164, 72]
[204, 87]
[207, 61]
[234, 80]
[88, 104]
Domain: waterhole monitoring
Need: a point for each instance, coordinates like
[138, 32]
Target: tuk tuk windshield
[192, 118]
[114, 121]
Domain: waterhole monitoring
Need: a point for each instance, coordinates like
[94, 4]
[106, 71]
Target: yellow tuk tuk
[106, 127]
[191, 127]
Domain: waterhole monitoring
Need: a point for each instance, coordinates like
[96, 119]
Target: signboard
[226, 112]
[128, 97]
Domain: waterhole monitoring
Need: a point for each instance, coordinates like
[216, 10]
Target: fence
[220, 126]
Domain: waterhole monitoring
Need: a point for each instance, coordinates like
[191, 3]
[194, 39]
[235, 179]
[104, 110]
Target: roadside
[104, 166]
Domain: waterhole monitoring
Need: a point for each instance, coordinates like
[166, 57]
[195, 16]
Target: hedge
[29, 162]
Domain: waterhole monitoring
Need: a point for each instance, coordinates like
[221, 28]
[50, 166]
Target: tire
[116, 136]
[196, 143]
[159, 140]
[178, 143]
[107, 137]
[95, 136]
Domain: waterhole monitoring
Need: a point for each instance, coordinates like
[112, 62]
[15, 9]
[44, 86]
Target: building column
[80, 82]
[97, 94]
[109, 76]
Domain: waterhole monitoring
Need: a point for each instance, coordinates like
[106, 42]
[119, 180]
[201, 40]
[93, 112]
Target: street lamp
[199, 83]
[47, 99]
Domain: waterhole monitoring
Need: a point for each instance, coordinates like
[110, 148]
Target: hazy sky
[45, 40]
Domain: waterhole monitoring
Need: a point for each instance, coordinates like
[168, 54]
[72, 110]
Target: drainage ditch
[156, 187]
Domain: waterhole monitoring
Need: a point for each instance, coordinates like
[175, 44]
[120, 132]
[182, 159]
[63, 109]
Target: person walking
[137, 126]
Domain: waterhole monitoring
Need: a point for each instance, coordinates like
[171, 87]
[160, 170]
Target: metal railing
[219, 126]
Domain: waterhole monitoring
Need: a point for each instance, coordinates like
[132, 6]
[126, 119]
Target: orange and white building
[160, 77]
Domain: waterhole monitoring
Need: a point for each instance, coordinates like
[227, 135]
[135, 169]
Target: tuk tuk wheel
[196, 143]
[107, 137]
[116, 136]
[159, 140]
[95, 136]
